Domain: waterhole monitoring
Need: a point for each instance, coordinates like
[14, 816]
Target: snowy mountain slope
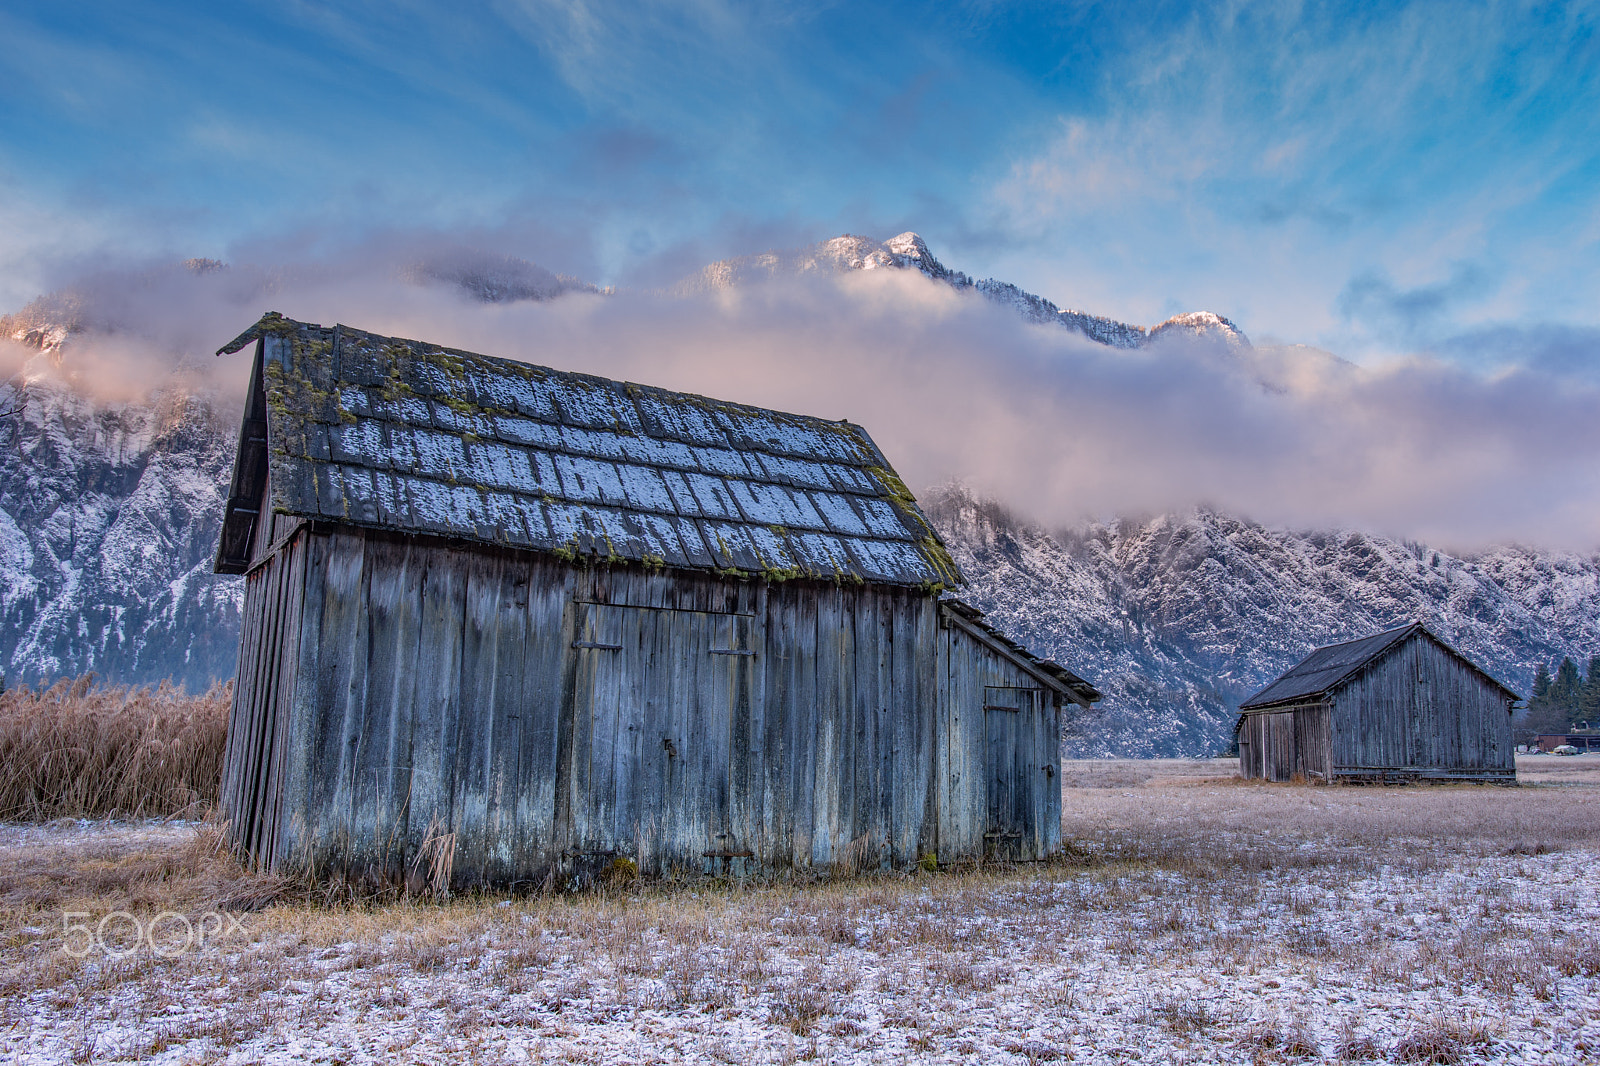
[908, 251]
[1178, 617]
[108, 521]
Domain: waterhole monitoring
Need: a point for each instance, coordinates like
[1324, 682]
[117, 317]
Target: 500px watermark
[169, 934]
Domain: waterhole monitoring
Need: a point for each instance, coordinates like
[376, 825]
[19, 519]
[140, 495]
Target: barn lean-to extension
[556, 620]
[1401, 705]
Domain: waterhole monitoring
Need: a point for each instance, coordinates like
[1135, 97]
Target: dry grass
[1208, 822]
[140, 868]
[78, 750]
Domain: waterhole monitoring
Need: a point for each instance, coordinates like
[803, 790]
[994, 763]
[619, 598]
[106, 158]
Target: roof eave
[1052, 675]
[1325, 696]
[250, 461]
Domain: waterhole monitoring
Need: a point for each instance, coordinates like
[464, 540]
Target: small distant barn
[1399, 705]
[556, 620]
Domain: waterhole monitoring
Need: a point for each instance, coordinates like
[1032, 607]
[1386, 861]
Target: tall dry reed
[82, 750]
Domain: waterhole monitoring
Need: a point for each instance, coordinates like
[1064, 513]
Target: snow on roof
[400, 434]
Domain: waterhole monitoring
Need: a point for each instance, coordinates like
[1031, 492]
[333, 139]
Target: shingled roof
[398, 434]
[1327, 668]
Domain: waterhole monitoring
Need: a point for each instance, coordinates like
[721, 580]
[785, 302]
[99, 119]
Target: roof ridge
[1370, 636]
[1326, 672]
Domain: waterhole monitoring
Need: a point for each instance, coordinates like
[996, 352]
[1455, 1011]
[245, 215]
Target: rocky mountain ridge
[109, 514]
[1178, 617]
[909, 251]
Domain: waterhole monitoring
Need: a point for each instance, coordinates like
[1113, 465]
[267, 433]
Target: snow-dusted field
[1198, 919]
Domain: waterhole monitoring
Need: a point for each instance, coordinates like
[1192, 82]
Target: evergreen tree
[1567, 687]
[1589, 696]
[1554, 704]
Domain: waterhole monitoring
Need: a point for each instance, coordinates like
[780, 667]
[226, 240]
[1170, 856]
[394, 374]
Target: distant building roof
[1329, 667]
[404, 435]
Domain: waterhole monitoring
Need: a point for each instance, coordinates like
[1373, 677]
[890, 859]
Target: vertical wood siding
[256, 759]
[1422, 712]
[259, 726]
[1004, 753]
[554, 717]
[1282, 745]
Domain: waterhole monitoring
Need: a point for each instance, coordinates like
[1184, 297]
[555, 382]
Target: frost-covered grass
[1195, 920]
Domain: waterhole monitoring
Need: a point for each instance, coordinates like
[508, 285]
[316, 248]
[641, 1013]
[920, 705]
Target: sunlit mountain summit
[909, 251]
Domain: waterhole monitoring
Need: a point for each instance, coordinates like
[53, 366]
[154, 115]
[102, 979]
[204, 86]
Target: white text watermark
[119, 934]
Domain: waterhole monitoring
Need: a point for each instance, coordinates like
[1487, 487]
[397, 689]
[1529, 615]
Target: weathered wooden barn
[535, 621]
[1396, 706]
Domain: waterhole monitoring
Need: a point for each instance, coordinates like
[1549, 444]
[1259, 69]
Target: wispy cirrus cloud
[1318, 172]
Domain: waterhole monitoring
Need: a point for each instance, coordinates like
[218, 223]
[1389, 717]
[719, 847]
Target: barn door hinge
[596, 647]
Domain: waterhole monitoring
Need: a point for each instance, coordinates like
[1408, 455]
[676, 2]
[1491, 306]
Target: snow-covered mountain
[109, 513]
[909, 252]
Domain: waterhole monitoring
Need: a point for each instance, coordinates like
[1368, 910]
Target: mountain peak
[1201, 324]
[908, 251]
[909, 244]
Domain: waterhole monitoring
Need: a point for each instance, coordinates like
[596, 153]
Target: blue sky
[1370, 178]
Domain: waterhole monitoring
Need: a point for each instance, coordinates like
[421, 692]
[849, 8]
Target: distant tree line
[1563, 699]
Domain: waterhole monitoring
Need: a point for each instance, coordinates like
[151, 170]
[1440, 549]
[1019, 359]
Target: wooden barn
[1401, 705]
[525, 623]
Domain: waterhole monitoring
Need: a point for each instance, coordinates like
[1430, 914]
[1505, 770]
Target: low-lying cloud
[952, 386]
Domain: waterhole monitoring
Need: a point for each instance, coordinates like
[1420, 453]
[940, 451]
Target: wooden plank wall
[844, 754]
[256, 758]
[552, 717]
[1422, 713]
[1004, 794]
[661, 708]
[1284, 744]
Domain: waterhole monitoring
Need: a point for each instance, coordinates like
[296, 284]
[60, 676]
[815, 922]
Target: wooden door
[1313, 742]
[723, 715]
[1012, 720]
[659, 720]
[598, 705]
